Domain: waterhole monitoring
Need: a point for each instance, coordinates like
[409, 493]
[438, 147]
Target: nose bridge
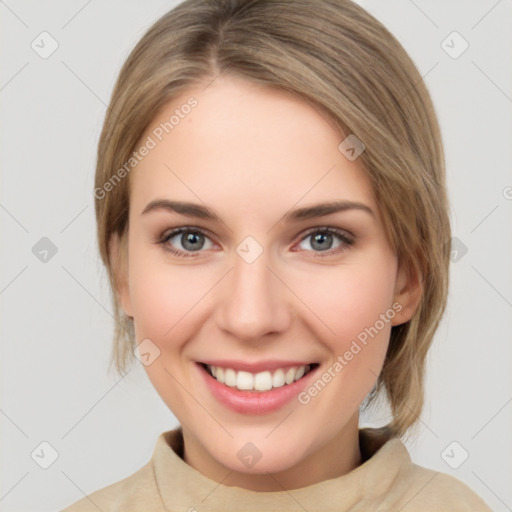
[254, 302]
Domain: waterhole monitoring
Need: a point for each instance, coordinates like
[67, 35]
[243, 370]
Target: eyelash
[346, 240]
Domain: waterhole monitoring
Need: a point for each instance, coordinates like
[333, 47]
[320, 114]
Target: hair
[341, 60]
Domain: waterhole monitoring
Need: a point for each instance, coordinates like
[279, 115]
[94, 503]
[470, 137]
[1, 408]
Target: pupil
[323, 240]
[191, 241]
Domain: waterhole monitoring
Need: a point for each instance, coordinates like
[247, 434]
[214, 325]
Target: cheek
[357, 309]
[350, 298]
[354, 306]
[166, 301]
[163, 295]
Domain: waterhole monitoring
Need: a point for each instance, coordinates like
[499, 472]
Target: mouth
[258, 382]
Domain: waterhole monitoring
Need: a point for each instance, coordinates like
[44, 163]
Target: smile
[262, 381]
[260, 388]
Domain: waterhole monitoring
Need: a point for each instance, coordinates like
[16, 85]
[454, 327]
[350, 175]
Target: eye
[189, 241]
[328, 240]
[185, 241]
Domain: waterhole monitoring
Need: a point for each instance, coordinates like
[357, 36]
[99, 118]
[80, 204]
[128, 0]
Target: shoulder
[407, 486]
[433, 490]
[133, 493]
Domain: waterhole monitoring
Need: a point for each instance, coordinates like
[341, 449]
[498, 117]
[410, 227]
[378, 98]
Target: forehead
[248, 145]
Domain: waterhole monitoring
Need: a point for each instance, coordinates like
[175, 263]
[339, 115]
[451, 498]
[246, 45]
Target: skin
[252, 154]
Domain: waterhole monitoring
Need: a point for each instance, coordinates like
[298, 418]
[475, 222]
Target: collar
[184, 488]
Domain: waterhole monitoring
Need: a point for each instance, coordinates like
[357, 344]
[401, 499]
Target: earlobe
[118, 256]
[408, 293]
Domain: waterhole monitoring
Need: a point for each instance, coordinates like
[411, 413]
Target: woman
[272, 213]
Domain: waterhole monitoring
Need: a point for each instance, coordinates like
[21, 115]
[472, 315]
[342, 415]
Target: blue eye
[193, 240]
[324, 240]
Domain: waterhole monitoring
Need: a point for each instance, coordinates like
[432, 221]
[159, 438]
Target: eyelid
[345, 236]
[171, 233]
[347, 240]
[329, 229]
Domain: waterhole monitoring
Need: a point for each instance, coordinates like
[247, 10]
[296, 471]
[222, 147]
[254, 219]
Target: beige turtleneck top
[386, 481]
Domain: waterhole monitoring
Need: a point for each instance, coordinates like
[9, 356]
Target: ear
[118, 255]
[408, 293]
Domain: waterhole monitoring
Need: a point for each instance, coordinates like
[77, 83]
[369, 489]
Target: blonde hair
[337, 57]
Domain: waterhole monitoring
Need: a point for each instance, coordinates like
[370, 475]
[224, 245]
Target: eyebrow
[309, 212]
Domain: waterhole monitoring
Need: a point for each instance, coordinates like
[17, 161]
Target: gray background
[55, 316]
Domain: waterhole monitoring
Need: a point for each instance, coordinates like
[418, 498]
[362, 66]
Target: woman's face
[262, 277]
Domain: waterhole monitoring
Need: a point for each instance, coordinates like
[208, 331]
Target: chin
[262, 456]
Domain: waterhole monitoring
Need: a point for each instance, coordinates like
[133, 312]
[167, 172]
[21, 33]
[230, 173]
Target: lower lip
[254, 402]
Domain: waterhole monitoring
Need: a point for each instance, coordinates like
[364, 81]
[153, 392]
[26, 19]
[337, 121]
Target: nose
[253, 303]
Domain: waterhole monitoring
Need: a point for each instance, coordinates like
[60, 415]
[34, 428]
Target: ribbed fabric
[387, 481]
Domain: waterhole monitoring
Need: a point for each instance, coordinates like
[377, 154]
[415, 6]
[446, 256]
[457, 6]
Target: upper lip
[255, 366]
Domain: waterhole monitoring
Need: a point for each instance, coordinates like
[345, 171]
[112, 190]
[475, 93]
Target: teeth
[245, 381]
[300, 372]
[262, 381]
[230, 377]
[278, 378]
[290, 375]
